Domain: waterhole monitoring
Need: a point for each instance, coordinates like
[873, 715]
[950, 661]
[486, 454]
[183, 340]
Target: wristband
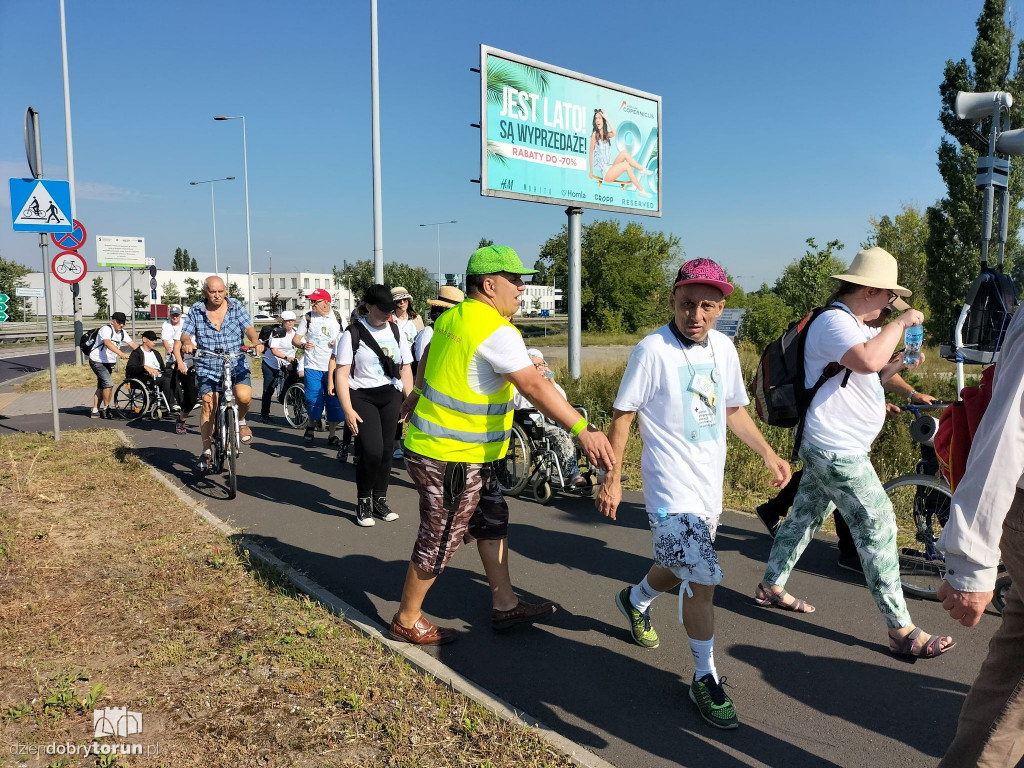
[578, 427]
[417, 390]
[910, 397]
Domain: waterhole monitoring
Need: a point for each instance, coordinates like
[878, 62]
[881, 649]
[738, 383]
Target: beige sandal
[244, 433]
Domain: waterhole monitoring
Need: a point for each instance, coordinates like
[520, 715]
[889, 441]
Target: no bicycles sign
[68, 267]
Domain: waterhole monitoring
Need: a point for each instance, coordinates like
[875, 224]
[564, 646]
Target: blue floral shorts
[685, 544]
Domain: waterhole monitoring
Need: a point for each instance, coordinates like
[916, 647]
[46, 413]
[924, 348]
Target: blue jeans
[317, 399]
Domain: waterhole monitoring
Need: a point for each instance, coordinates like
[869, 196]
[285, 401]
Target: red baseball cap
[705, 272]
[319, 295]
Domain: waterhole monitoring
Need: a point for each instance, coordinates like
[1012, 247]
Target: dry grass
[114, 593]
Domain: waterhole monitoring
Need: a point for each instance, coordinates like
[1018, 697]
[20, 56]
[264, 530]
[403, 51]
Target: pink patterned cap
[704, 271]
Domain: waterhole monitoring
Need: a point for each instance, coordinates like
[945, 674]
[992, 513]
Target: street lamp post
[227, 284]
[213, 205]
[437, 226]
[245, 177]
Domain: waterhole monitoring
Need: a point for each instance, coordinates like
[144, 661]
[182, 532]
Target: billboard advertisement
[550, 135]
[121, 252]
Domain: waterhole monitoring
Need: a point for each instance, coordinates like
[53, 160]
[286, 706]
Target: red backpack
[957, 426]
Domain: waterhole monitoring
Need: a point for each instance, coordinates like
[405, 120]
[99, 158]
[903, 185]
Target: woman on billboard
[602, 167]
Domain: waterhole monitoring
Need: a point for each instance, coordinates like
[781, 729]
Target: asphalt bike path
[810, 690]
[15, 364]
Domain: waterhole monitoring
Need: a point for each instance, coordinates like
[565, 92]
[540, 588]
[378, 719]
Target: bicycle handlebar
[220, 355]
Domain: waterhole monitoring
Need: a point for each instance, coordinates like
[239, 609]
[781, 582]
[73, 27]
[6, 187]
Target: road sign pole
[131, 291]
[49, 336]
[76, 303]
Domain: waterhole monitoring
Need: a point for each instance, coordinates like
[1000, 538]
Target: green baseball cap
[496, 258]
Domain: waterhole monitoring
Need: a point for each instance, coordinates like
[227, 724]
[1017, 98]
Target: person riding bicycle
[218, 324]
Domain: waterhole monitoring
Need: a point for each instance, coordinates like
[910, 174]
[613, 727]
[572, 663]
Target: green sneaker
[712, 703]
[639, 623]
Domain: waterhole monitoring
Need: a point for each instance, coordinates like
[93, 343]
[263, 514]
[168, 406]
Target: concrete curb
[354, 618]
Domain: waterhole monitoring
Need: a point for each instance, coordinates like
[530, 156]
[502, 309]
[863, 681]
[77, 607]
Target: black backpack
[268, 332]
[778, 389]
[88, 341]
[391, 367]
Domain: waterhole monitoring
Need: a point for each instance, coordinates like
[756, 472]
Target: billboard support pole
[575, 288]
[378, 226]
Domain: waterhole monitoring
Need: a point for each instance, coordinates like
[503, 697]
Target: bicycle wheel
[513, 471]
[131, 399]
[295, 406]
[231, 450]
[926, 501]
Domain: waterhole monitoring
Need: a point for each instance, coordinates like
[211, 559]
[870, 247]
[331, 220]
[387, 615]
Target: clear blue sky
[781, 120]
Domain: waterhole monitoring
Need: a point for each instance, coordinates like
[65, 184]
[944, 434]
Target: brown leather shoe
[422, 632]
[523, 613]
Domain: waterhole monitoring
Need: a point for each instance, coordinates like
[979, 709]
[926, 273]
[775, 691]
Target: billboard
[550, 135]
[121, 251]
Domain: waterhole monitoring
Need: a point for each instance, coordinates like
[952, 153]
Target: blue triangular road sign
[41, 205]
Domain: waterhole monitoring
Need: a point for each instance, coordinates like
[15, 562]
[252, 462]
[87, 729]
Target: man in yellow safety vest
[461, 418]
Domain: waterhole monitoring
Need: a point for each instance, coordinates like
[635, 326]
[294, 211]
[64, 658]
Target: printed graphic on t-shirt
[390, 349]
[701, 392]
[323, 335]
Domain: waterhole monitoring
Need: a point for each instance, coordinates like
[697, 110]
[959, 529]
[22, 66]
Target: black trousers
[784, 500]
[186, 390]
[378, 408]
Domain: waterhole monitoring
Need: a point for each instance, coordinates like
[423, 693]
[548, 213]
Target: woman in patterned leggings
[843, 420]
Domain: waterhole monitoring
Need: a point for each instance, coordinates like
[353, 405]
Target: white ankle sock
[703, 658]
[642, 595]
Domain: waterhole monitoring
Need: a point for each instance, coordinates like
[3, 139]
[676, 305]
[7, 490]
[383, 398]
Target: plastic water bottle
[912, 339]
[662, 515]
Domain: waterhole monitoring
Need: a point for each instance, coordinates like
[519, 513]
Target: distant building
[535, 298]
[291, 289]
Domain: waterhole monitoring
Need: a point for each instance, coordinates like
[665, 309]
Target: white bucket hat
[875, 268]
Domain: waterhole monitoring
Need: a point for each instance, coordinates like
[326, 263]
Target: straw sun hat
[875, 268]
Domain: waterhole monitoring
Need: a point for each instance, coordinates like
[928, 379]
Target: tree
[141, 300]
[625, 275]
[807, 282]
[193, 292]
[484, 242]
[766, 318]
[170, 293]
[11, 273]
[193, 265]
[954, 222]
[234, 292]
[359, 276]
[99, 295]
[275, 303]
[906, 238]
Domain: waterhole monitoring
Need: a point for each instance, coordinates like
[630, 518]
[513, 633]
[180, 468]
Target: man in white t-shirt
[684, 382]
[184, 375]
[317, 333]
[102, 359]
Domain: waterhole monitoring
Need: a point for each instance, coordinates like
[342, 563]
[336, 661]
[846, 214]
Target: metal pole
[79, 357]
[213, 205]
[438, 228]
[113, 294]
[248, 239]
[131, 290]
[378, 227]
[575, 289]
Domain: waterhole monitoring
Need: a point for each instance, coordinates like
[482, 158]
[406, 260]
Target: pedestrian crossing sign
[41, 205]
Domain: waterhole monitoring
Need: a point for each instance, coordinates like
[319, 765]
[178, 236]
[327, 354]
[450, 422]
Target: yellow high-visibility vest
[451, 421]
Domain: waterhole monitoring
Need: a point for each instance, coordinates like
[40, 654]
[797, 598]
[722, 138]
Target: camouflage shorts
[458, 502]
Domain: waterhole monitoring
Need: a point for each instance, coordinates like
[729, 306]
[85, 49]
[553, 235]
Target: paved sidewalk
[15, 404]
[811, 690]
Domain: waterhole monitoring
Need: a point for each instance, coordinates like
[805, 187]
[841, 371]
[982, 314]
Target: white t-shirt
[841, 419]
[520, 403]
[422, 340]
[170, 332]
[367, 371]
[681, 399]
[100, 353]
[149, 360]
[504, 351]
[407, 328]
[284, 343]
[323, 332]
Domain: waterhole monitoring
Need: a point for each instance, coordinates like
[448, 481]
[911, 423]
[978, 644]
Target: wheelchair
[531, 463]
[135, 398]
[292, 396]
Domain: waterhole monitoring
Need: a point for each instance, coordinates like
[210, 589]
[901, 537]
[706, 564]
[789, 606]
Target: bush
[766, 318]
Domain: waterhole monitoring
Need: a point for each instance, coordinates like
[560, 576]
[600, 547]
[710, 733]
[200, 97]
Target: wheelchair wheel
[543, 492]
[513, 471]
[1003, 585]
[295, 406]
[131, 399]
[926, 500]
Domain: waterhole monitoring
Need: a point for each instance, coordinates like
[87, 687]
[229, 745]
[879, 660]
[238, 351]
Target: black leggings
[378, 408]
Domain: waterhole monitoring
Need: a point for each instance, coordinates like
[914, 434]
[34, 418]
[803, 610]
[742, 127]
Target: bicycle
[225, 445]
[927, 497]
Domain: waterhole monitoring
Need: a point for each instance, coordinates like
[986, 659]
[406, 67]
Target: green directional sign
[4, 298]
[3, 306]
